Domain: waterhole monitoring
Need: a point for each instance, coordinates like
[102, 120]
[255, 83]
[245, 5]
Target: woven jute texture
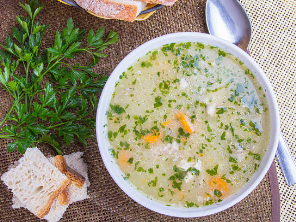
[107, 201]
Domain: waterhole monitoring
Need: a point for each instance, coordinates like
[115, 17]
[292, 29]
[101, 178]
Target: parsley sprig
[53, 100]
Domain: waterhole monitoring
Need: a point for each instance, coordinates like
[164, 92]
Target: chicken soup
[188, 124]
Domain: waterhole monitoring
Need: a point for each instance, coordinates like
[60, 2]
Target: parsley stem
[60, 124]
[5, 118]
[6, 136]
[27, 79]
[48, 69]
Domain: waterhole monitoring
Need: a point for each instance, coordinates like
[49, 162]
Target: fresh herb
[209, 128]
[153, 55]
[179, 107]
[146, 64]
[221, 53]
[214, 171]
[141, 169]
[153, 182]
[190, 204]
[158, 102]
[117, 109]
[221, 110]
[217, 193]
[232, 159]
[255, 155]
[194, 171]
[130, 160]
[177, 185]
[169, 139]
[124, 144]
[52, 99]
[164, 87]
[255, 128]
[126, 176]
[160, 192]
[136, 164]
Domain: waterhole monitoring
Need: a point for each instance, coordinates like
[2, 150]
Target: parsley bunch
[52, 99]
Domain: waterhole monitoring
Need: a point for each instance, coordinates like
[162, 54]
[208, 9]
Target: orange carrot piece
[123, 158]
[167, 123]
[151, 138]
[219, 184]
[184, 122]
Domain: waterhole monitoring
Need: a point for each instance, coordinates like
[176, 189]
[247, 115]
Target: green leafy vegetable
[213, 171]
[53, 100]
[117, 109]
[217, 193]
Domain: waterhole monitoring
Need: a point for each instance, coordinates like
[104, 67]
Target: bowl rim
[110, 163]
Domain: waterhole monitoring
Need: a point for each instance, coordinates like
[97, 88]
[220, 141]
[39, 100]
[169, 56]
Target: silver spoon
[228, 20]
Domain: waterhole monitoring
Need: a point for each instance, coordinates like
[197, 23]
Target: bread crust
[110, 9]
[163, 2]
[75, 177]
[64, 197]
[54, 195]
[60, 163]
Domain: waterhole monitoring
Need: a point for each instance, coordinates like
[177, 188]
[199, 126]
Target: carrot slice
[184, 122]
[219, 184]
[167, 123]
[151, 138]
[123, 157]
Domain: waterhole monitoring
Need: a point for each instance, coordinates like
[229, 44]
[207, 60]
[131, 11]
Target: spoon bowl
[233, 27]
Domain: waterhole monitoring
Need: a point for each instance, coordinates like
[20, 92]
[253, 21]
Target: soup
[188, 124]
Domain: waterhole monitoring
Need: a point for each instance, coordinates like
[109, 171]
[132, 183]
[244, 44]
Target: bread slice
[75, 162]
[35, 182]
[162, 2]
[114, 9]
[73, 175]
[57, 210]
[60, 163]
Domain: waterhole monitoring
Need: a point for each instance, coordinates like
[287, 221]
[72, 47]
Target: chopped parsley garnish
[150, 170]
[146, 64]
[233, 160]
[221, 110]
[117, 109]
[153, 182]
[217, 193]
[141, 169]
[255, 155]
[158, 102]
[130, 160]
[214, 171]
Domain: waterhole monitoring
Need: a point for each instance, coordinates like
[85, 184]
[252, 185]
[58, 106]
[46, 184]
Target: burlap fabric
[107, 202]
[273, 46]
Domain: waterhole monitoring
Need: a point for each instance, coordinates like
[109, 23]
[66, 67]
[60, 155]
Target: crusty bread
[75, 162]
[115, 9]
[35, 182]
[60, 163]
[163, 2]
[56, 212]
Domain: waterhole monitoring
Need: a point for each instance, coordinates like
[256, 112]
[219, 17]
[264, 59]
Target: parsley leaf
[53, 99]
[214, 171]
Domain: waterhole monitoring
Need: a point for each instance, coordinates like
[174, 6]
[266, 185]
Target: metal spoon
[228, 20]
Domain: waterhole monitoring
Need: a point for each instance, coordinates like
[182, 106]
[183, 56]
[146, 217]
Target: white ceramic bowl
[104, 145]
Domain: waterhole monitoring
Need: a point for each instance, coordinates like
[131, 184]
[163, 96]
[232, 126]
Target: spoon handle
[286, 161]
